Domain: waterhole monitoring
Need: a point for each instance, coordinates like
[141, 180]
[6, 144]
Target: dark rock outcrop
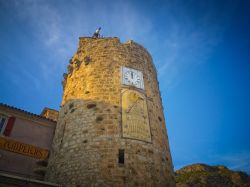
[202, 175]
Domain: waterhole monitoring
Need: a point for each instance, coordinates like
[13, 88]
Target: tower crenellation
[111, 127]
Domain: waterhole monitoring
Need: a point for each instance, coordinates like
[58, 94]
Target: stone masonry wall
[89, 130]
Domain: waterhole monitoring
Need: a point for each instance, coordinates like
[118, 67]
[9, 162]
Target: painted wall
[28, 130]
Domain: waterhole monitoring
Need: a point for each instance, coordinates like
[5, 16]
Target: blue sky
[201, 50]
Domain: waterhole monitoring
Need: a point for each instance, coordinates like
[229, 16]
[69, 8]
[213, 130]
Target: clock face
[132, 77]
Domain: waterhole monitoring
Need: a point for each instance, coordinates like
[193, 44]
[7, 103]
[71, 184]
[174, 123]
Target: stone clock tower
[111, 128]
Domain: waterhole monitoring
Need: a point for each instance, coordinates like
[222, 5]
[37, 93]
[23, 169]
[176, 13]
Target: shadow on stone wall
[86, 148]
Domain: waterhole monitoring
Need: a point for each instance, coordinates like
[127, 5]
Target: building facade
[111, 128]
[25, 141]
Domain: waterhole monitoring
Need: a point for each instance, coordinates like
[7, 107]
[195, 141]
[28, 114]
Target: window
[121, 156]
[3, 122]
[6, 124]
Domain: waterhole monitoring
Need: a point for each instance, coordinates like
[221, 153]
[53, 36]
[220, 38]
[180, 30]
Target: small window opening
[159, 118]
[121, 156]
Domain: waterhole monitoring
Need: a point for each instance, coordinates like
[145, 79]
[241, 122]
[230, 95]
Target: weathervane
[97, 33]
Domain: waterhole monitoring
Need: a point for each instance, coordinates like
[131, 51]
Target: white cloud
[182, 45]
[57, 27]
[44, 19]
[189, 41]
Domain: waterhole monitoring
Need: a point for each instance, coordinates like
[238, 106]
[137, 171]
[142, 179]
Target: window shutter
[9, 126]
